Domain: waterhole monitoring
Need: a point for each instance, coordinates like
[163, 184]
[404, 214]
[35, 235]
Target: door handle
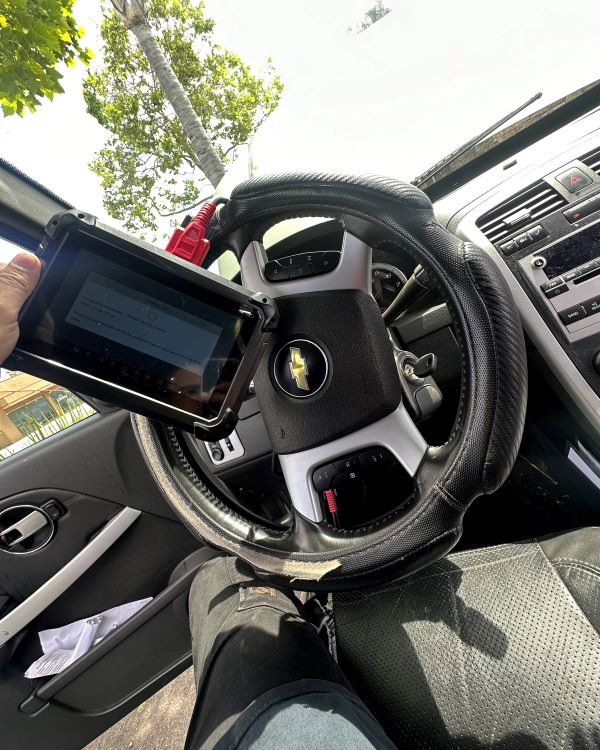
[24, 613]
[25, 528]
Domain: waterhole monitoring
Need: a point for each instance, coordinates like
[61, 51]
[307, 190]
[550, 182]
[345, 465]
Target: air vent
[530, 205]
[592, 160]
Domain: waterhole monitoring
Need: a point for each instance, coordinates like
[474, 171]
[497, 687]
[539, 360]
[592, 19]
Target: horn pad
[329, 369]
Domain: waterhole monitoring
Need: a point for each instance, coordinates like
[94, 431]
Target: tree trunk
[207, 156]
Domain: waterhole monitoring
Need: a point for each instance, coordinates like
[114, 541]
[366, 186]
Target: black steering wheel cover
[482, 449]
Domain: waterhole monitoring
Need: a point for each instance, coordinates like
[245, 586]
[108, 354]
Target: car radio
[567, 275]
[118, 319]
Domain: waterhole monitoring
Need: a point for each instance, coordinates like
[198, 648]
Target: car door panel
[94, 470]
[97, 457]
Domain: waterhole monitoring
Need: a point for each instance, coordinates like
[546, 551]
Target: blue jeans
[265, 679]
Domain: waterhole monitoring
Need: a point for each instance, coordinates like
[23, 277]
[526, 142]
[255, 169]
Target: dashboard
[538, 218]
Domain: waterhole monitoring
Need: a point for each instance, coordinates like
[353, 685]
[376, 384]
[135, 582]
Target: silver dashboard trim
[27, 611]
[397, 432]
[459, 212]
[237, 449]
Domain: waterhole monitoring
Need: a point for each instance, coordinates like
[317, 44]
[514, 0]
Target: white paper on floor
[61, 646]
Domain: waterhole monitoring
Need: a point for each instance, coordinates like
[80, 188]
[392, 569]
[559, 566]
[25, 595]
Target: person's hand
[17, 280]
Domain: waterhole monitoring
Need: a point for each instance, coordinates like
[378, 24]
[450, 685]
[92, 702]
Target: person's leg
[248, 638]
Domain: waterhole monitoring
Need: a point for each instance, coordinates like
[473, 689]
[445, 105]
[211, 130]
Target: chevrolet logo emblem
[299, 368]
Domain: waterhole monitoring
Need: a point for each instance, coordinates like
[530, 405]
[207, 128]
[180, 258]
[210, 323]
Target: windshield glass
[348, 85]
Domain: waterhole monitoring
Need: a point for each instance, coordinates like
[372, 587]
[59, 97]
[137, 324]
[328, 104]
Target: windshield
[348, 85]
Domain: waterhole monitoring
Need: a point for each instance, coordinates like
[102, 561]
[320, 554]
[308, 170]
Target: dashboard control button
[574, 179]
[275, 272]
[508, 248]
[537, 233]
[297, 272]
[583, 209]
[572, 314]
[552, 283]
[592, 305]
[538, 261]
[287, 262]
[216, 451]
[523, 240]
[323, 477]
[589, 267]
[555, 291]
[327, 261]
[570, 275]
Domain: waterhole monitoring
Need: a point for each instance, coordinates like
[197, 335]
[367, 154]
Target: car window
[226, 265]
[32, 410]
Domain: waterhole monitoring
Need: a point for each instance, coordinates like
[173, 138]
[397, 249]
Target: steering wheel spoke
[352, 272]
[396, 432]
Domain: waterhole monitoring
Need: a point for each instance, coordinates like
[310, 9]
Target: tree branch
[185, 208]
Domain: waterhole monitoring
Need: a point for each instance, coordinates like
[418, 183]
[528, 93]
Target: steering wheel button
[297, 272]
[371, 458]
[327, 261]
[347, 464]
[323, 477]
[345, 478]
[376, 457]
[275, 272]
[308, 259]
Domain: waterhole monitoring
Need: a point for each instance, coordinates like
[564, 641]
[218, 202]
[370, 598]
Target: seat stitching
[594, 574]
[404, 583]
[479, 551]
[449, 498]
[552, 567]
[569, 562]
[581, 569]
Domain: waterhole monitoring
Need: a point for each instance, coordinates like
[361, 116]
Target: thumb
[17, 280]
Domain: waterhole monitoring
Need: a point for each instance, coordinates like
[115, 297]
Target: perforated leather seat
[492, 648]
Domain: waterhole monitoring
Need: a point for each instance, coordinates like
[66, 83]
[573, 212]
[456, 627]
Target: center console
[537, 216]
[542, 228]
[566, 276]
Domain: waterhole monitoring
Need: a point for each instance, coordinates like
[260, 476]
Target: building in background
[32, 409]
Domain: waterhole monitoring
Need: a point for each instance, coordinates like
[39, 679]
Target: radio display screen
[572, 252]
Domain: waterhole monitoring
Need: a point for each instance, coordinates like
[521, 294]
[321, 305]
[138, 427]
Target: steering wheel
[352, 398]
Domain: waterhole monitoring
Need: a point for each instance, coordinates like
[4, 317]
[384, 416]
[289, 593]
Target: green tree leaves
[35, 36]
[147, 166]
[374, 14]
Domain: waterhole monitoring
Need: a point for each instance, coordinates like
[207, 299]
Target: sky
[393, 99]
[55, 144]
